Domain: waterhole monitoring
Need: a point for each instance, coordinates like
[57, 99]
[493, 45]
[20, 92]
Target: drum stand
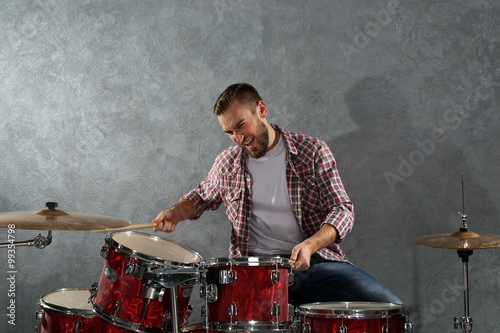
[171, 279]
[176, 327]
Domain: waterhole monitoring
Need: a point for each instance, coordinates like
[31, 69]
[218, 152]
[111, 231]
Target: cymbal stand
[465, 322]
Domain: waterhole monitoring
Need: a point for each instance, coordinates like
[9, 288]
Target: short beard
[262, 140]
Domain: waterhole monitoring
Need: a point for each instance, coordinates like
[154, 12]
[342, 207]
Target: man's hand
[167, 220]
[302, 252]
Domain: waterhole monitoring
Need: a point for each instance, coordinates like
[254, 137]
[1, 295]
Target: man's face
[247, 128]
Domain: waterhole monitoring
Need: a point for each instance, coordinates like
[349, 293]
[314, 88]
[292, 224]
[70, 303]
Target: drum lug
[227, 277]
[78, 325]
[275, 276]
[342, 328]
[104, 251]
[209, 292]
[232, 311]
[386, 328]
[275, 312]
[39, 315]
[306, 328]
[117, 307]
[408, 324]
[93, 290]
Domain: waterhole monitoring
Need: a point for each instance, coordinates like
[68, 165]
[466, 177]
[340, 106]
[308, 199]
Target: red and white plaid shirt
[317, 194]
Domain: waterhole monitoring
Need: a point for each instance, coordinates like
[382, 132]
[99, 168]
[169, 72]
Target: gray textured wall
[105, 107]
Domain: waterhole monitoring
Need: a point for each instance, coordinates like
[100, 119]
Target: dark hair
[242, 92]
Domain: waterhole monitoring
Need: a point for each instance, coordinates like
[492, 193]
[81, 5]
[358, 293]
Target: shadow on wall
[405, 182]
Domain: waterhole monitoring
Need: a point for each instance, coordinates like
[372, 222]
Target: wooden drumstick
[130, 227]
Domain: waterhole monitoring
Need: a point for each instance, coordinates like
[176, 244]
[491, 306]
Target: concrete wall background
[106, 108]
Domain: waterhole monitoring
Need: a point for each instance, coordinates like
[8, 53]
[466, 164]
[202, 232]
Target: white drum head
[67, 301]
[156, 247]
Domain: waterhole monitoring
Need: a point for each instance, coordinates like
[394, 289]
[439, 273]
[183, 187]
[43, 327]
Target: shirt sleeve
[206, 195]
[335, 200]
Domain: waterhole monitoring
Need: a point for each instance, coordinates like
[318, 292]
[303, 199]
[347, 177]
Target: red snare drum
[68, 310]
[126, 298]
[246, 293]
[352, 317]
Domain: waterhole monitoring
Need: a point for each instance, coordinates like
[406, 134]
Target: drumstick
[130, 227]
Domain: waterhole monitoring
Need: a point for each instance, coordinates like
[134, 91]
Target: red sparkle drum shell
[357, 317]
[254, 300]
[119, 296]
[68, 310]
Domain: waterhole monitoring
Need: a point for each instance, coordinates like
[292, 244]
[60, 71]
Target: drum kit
[147, 282]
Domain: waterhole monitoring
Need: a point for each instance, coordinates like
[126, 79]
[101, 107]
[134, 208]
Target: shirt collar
[241, 158]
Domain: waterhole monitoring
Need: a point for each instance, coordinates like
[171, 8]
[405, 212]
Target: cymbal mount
[39, 242]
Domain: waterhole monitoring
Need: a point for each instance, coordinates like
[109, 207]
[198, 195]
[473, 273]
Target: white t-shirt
[273, 227]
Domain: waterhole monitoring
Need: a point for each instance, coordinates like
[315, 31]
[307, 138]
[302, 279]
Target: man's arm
[302, 252]
[167, 220]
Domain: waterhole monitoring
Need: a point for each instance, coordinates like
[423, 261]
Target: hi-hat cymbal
[461, 240]
[54, 219]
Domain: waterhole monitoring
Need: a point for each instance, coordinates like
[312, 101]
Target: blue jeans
[330, 281]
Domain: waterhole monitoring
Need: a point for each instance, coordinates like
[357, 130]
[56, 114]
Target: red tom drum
[124, 295]
[246, 293]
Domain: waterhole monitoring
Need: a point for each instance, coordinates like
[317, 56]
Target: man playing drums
[284, 197]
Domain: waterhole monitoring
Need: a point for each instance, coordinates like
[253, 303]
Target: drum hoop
[129, 325]
[66, 311]
[396, 310]
[248, 325]
[248, 261]
[149, 258]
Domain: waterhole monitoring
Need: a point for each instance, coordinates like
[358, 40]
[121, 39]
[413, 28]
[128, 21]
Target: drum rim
[396, 310]
[150, 258]
[201, 327]
[122, 323]
[247, 325]
[248, 261]
[64, 310]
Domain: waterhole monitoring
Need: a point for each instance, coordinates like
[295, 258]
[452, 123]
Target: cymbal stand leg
[465, 322]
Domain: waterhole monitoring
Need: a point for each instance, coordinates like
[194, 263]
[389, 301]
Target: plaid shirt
[317, 194]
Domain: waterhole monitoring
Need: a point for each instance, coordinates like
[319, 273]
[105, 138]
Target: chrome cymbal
[460, 240]
[54, 219]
